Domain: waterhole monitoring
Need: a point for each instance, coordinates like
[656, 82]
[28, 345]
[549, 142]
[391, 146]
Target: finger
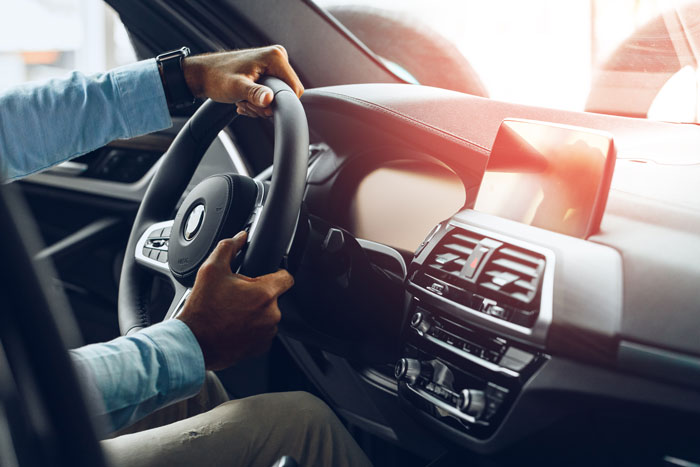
[226, 250]
[251, 110]
[259, 111]
[242, 110]
[278, 65]
[253, 92]
[263, 111]
[275, 313]
[278, 282]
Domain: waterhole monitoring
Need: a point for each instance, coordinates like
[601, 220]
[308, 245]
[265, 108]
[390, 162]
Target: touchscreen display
[556, 177]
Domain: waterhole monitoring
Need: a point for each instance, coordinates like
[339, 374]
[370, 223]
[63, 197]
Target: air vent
[451, 255]
[487, 275]
[513, 274]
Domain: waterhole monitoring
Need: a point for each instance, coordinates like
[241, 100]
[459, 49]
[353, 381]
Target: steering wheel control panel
[479, 308]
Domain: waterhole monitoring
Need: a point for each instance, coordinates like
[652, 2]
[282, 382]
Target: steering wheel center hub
[194, 222]
[217, 208]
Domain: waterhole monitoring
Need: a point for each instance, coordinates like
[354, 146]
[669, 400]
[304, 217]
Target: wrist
[193, 71]
[198, 336]
[171, 69]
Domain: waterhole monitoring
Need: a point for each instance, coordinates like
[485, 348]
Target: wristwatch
[177, 92]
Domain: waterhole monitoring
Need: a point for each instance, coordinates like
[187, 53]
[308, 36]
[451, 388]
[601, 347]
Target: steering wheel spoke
[178, 303]
[152, 253]
[252, 222]
[152, 248]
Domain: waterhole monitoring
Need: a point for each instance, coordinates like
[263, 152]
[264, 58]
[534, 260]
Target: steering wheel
[217, 208]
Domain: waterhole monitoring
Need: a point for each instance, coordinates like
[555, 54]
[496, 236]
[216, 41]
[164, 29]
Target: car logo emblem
[194, 222]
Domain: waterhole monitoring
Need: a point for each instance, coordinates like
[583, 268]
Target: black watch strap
[177, 92]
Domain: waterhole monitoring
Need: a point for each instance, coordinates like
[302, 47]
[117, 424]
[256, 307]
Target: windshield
[625, 57]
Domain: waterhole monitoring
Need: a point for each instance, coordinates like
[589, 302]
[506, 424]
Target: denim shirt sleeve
[43, 124]
[131, 376]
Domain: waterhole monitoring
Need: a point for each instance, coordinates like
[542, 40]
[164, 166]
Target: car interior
[477, 282]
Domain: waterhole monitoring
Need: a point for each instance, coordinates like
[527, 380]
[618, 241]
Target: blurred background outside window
[41, 39]
[625, 57]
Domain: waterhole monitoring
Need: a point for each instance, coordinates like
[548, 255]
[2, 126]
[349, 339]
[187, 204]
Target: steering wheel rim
[272, 225]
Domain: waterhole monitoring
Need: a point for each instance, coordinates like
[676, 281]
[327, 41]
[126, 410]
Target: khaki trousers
[210, 430]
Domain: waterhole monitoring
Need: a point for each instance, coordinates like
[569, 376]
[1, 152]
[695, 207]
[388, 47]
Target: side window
[41, 39]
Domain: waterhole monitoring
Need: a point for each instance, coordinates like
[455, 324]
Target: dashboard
[494, 316]
[400, 202]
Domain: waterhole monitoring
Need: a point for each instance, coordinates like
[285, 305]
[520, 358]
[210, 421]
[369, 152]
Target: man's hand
[231, 315]
[231, 77]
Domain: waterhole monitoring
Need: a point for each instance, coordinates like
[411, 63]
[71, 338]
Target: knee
[283, 408]
[308, 408]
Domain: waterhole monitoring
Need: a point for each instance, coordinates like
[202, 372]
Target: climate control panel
[458, 374]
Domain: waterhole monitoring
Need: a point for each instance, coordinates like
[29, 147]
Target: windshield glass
[625, 57]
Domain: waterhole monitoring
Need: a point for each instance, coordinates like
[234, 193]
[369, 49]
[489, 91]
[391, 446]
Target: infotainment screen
[556, 177]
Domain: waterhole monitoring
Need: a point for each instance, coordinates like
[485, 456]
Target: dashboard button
[472, 402]
[516, 359]
[497, 311]
[420, 322]
[473, 261]
[407, 369]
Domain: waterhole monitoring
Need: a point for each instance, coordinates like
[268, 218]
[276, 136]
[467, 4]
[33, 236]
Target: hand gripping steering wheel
[217, 208]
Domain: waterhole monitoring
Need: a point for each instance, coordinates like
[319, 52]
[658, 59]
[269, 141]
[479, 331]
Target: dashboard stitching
[413, 120]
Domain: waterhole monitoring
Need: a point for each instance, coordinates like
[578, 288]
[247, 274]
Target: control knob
[472, 402]
[420, 322]
[407, 369]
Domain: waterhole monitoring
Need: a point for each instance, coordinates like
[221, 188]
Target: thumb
[257, 94]
[226, 250]
[278, 282]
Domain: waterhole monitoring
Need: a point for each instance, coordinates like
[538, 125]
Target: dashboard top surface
[653, 212]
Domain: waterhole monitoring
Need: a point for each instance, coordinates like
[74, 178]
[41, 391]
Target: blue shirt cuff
[132, 376]
[142, 97]
[183, 356]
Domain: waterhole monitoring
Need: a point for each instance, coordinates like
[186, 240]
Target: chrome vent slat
[464, 238]
[490, 285]
[514, 266]
[526, 285]
[522, 297]
[446, 258]
[521, 256]
[459, 248]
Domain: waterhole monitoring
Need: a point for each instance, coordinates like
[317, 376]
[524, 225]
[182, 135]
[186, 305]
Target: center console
[478, 313]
